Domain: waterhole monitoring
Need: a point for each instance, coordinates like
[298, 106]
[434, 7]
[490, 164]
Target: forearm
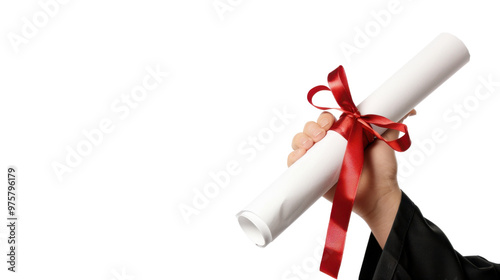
[380, 220]
[417, 249]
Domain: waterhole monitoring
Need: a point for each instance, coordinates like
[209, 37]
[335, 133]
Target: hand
[378, 195]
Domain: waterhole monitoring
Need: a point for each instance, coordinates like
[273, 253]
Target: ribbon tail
[343, 202]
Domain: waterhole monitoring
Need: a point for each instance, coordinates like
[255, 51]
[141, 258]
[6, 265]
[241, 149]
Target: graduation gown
[418, 249]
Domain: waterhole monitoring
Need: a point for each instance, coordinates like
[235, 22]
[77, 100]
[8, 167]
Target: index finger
[326, 120]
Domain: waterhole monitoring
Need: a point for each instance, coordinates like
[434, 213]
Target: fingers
[301, 140]
[326, 120]
[413, 112]
[392, 134]
[317, 130]
[313, 132]
[295, 155]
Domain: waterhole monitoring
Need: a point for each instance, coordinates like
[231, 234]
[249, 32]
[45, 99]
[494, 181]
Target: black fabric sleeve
[418, 249]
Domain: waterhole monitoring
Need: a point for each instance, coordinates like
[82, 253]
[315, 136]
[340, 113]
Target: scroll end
[254, 228]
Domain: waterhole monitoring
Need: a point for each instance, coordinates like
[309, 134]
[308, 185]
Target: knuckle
[309, 125]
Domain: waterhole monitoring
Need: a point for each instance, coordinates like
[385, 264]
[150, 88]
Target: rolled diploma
[310, 177]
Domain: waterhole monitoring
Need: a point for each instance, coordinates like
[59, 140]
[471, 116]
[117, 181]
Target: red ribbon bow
[357, 130]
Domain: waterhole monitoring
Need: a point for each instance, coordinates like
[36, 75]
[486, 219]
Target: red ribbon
[358, 132]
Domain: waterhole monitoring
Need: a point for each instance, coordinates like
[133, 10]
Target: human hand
[378, 195]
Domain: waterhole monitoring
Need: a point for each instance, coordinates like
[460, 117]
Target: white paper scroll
[312, 175]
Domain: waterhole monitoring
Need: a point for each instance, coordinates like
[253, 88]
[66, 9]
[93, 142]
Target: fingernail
[318, 133]
[323, 122]
[306, 142]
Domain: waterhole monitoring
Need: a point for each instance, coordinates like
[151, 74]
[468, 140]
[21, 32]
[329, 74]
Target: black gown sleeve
[418, 249]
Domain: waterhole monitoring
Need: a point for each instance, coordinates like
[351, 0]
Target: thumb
[392, 134]
[413, 112]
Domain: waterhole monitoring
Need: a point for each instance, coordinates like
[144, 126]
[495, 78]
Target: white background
[117, 214]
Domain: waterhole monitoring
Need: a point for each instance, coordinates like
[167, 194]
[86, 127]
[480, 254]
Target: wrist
[382, 217]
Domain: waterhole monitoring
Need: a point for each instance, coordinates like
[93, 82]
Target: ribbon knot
[358, 131]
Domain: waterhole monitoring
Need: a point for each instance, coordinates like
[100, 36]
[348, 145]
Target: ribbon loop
[358, 131]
